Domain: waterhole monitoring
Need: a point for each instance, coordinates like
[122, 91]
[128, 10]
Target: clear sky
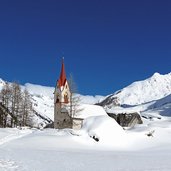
[107, 44]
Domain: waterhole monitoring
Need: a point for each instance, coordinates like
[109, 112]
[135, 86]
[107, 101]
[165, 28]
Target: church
[62, 104]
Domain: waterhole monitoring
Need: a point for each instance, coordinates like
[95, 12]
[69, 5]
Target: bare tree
[74, 98]
[26, 109]
[16, 103]
[19, 105]
[5, 96]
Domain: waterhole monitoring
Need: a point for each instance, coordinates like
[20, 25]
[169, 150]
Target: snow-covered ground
[101, 144]
[63, 150]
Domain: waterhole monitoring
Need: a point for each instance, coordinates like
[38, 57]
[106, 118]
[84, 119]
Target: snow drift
[104, 130]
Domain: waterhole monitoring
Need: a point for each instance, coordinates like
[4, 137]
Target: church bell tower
[62, 95]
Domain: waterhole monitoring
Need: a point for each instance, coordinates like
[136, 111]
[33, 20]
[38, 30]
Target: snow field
[63, 150]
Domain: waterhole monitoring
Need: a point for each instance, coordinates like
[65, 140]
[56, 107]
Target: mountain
[43, 102]
[150, 97]
[158, 107]
[140, 92]
[42, 98]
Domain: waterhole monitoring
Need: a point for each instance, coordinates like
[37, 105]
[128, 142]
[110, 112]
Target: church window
[66, 98]
[57, 99]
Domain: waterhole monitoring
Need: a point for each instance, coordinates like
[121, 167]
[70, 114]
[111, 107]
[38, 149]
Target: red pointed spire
[62, 78]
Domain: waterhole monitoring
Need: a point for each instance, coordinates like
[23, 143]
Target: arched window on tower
[65, 98]
[57, 99]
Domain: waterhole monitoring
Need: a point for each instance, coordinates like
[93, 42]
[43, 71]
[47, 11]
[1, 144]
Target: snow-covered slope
[150, 97]
[43, 104]
[139, 92]
[151, 110]
[87, 99]
[42, 99]
[2, 83]
[159, 107]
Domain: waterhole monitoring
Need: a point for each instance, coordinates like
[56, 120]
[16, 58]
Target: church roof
[62, 78]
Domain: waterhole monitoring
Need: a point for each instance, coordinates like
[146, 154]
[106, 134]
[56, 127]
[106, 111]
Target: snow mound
[105, 129]
[86, 110]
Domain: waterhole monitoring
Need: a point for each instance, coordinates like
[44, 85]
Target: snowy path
[15, 135]
[7, 164]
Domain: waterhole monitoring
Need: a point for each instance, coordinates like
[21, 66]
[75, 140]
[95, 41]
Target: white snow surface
[63, 150]
[154, 109]
[139, 92]
[39, 90]
[101, 144]
[105, 129]
[87, 99]
[88, 110]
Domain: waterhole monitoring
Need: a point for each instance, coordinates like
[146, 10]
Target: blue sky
[106, 44]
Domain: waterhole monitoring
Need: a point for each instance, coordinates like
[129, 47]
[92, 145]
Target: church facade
[62, 101]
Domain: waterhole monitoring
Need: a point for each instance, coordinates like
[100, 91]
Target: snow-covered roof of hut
[87, 110]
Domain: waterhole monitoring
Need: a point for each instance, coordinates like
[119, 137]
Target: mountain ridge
[149, 95]
[153, 88]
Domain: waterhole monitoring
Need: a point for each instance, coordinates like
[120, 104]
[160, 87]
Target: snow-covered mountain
[148, 145]
[139, 92]
[43, 104]
[150, 97]
[158, 107]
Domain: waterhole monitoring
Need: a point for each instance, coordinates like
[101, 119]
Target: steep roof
[62, 78]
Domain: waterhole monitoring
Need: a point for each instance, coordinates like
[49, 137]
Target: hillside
[139, 92]
[43, 104]
[150, 97]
